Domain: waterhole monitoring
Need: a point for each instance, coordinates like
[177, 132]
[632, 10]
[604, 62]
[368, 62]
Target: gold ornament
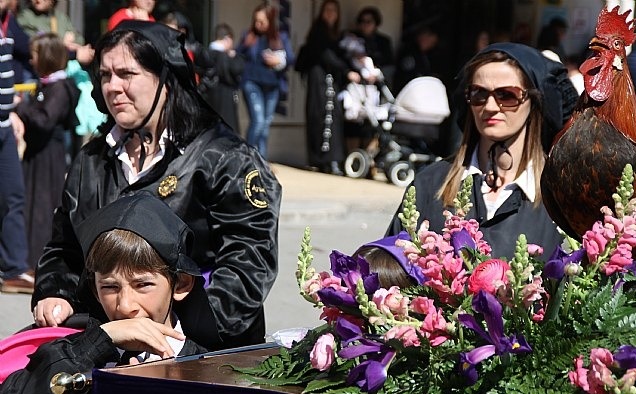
[167, 186]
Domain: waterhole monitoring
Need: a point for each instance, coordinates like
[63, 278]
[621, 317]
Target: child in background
[138, 269]
[49, 123]
[390, 262]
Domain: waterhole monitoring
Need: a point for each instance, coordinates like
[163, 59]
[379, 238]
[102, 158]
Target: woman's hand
[51, 312]
[142, 334]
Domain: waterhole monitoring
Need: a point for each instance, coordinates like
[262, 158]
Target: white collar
[525, 181]
[129, 172]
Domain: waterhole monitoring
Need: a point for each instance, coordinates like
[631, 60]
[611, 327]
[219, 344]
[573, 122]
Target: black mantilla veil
[169, 44]
[549, 78]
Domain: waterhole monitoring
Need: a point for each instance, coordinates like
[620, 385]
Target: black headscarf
[558, 95]
[170, 44]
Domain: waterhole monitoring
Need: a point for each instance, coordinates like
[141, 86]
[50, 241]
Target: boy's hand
[142, 334]
[51, 312]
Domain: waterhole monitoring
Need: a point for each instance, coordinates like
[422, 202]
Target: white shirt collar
[129, 172]
[525, 181]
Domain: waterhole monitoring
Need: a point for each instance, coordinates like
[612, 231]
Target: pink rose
[488, 275]
[323, 353]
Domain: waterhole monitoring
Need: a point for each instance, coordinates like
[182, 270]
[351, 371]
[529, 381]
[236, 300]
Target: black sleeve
[75, 353]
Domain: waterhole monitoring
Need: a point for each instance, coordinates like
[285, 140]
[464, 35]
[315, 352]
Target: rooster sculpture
[588, 155]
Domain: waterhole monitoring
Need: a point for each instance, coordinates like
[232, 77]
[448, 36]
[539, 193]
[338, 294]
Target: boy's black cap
[151, 219]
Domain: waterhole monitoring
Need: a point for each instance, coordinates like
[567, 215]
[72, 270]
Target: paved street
[343, 213]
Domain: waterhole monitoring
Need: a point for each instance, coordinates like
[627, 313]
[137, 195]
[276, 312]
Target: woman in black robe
[326, 70]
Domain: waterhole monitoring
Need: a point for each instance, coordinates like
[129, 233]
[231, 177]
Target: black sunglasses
[505, 96]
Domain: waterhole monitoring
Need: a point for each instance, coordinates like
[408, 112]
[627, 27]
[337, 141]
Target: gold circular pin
[167, 186]
[254, 190]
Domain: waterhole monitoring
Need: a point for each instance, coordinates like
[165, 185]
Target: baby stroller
[407, 126]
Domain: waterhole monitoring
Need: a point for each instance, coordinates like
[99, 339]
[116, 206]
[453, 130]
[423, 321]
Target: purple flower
[487, 305]
[462, 240]
[371, 373]
[555, 267]
[626, 357]
[351, 269]
[347, 331]
[336, 298]
[469, 361]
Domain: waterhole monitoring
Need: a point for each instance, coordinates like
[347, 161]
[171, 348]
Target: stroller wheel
[357, 164]
[401, 173]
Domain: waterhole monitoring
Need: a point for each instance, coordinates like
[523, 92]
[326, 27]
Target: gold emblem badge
[167, 186]
[254, 190]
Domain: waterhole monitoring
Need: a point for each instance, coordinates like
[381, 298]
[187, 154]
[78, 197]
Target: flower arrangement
[475, 324]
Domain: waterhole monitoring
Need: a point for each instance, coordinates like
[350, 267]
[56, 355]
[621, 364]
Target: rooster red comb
[612, 23]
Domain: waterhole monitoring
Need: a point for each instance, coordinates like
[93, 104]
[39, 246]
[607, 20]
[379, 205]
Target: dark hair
[374, 12]
[185, 114]
[126, 251]
[390, 272]
[272, 33]
[52, 54]
[223, 30]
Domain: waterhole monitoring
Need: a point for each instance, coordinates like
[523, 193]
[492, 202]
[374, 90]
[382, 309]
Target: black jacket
[516, 216]
[80, 352]
[223, 190]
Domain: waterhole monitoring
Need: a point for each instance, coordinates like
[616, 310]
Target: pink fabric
[14, 350]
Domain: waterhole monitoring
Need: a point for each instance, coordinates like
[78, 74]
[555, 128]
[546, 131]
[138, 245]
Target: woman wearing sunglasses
[515, 100]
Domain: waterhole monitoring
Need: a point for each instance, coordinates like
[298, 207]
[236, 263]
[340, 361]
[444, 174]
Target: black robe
[49, 120]
[220, 75]
[516, 216]
[326, 57]
[223, 190]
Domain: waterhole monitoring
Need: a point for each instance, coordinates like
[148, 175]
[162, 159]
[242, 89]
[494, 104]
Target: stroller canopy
[422, 100]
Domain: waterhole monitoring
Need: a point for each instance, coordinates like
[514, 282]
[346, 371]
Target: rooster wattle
[588, 155]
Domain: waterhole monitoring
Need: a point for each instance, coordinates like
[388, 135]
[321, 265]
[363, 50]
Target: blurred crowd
[345, 72]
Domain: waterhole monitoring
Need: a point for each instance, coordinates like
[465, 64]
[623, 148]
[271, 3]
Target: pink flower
[434, 327]
[599, 375]
[319, 282]
[535, 250]
[488, 275]
[619, 260]
[406, 334]
[323, 353]
[422, 305]
[533, 291]
[578, 377]
[330, 314]
[391, 302]
[628, 380]
[594, 241]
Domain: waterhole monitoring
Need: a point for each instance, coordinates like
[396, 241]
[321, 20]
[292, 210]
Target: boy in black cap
[137, 266]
